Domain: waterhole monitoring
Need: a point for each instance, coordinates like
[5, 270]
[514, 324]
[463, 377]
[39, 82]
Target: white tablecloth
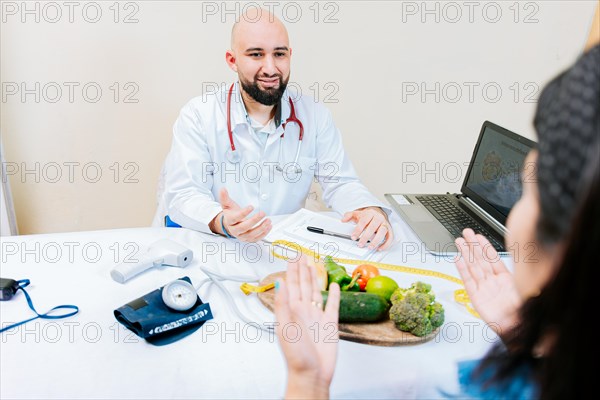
[91, 355]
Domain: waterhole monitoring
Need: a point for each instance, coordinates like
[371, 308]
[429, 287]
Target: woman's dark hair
[567, 123]
[562, 315]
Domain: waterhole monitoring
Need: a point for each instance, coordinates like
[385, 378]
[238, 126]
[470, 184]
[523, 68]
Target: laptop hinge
[484, 215]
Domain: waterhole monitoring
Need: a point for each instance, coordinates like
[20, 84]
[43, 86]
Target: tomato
[366, 272]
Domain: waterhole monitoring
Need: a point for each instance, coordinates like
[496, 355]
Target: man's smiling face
[261, 56]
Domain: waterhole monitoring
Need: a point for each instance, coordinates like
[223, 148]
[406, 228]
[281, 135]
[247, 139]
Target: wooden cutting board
[382, 333]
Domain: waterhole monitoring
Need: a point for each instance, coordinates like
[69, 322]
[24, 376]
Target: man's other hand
[237, 223]
[372, 224]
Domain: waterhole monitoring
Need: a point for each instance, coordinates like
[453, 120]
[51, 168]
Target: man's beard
[268, 97]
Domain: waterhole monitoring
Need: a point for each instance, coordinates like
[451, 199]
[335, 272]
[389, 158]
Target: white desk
[90, 355]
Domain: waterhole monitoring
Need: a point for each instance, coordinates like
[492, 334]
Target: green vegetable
[360, 306]
[353, 286]
[338, 274]
[415, 310]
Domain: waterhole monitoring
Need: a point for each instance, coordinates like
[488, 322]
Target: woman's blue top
[520, 387]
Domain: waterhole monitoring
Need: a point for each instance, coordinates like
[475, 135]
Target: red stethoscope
[233, 155]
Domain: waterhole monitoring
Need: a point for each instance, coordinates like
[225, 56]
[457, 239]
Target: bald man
[253, 149]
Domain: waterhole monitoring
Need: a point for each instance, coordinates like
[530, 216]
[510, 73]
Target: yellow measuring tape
[460, 295]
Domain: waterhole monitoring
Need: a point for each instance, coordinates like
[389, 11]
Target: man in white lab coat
[237, 157]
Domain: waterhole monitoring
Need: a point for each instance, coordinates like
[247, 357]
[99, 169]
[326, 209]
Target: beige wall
[360, 58]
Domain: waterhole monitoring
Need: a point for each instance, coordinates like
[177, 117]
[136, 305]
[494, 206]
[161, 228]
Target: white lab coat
[197, 168]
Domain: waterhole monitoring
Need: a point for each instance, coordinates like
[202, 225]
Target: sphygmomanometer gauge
[179, 295]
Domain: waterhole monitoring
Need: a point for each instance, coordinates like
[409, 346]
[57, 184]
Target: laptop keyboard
[456, 220]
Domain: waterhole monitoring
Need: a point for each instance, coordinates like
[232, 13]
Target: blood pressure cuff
[150, 318]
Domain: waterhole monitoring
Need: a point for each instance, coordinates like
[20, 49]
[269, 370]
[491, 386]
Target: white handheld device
[163, 252]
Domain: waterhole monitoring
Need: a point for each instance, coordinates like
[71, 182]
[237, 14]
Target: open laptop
[491, 187]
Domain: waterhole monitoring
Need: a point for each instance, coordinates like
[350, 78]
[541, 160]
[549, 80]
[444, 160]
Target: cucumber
[360, 306]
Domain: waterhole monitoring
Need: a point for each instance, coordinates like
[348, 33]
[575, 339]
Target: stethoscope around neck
[233, 155]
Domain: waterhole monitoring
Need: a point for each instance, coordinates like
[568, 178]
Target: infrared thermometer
[164, 252]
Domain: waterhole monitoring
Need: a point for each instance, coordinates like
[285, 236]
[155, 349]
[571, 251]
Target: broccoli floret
[417, 287]
[397, 296]
[421, 287]
[436, 315]
[415, 310]
[410, 313]
[424, 329]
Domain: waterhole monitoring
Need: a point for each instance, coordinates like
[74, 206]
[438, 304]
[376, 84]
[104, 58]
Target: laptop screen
[494, 177]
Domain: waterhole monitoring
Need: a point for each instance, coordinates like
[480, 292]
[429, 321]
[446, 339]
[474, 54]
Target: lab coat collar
[239, 114]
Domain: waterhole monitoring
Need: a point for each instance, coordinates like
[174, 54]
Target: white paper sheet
[293, 229]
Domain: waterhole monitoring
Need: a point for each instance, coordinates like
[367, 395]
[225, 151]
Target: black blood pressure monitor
[165, 314]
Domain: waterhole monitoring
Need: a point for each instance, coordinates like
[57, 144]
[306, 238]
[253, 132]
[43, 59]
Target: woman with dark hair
[544, 311]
